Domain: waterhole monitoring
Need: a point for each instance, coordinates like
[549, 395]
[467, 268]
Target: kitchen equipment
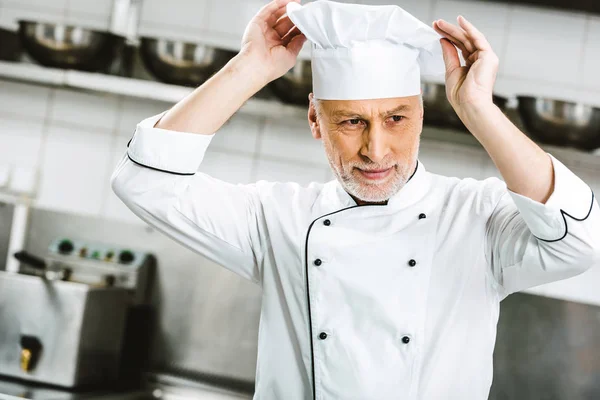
[561, 123]
[65, 316]
[295, 86]
[182, 63]
[439, 111]
[67, 46]
[10, 45]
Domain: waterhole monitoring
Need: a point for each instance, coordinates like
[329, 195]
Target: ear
[313, 120]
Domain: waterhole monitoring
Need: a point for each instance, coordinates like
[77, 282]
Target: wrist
[473, 113]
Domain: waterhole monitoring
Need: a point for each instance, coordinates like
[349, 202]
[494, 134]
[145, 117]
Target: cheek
[343, 146]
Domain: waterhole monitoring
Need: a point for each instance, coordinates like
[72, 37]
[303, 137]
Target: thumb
[451, 59]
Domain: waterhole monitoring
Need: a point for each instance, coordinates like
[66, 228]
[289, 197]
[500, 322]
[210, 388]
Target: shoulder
[480, 196]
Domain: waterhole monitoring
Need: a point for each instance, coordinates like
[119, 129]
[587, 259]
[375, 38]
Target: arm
[546, 223]
[158, 177]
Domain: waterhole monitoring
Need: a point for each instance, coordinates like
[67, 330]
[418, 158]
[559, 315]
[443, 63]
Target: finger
[290, 35]
[477, 37]
[283, 25]
[295, 44]
[454, 40]
[457, 33]
[450, 53]
[273, 14]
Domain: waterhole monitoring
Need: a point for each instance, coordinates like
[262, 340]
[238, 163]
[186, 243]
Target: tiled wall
[74, 139]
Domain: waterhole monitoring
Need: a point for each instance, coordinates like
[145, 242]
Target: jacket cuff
[168, 151]
[571, 197]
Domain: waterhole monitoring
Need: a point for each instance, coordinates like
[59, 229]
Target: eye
[354, 121]
[397, 118]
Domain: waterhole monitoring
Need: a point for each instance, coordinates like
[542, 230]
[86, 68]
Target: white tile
[232, 168]
[75, 171]
[58, 5]
[421, 9]
[291, 139]
[223, 20]
[544, 45]
[24, 180]
[101, 8]
[30, 101]
[591, 54]
[12, 12]
[178, 15]
[279, 171]
[20, 141]
[240, 133]
[135, 110]
[490, 18]
[5, 170]
[452, 160]
[96, 111]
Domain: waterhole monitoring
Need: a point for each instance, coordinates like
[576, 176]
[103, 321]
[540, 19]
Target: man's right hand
[271, 41]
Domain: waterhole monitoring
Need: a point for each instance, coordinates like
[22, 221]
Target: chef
[384, 283]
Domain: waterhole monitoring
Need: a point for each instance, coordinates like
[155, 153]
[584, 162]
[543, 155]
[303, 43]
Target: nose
[375, 144]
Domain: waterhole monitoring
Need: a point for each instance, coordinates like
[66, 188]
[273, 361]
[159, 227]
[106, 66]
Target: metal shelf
[145, 89]
[271, 108]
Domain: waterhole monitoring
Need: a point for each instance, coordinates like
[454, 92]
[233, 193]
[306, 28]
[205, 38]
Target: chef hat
[366, 52]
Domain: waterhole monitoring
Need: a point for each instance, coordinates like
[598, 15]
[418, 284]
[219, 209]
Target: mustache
[372, 167]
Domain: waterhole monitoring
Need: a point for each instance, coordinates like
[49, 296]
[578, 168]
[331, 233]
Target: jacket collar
[334, 197]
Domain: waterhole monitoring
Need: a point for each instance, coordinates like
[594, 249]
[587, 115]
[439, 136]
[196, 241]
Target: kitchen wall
[62, 145]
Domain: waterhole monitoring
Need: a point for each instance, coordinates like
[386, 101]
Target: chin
[371, 193]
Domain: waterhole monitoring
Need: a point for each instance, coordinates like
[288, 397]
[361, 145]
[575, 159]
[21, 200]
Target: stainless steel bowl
[181, 63]
[439, 111]
[561, 123]
[295, 86]
[66, 46]
[10, 45]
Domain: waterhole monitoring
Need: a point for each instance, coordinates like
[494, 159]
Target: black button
[412, 263]
[318, 262]
[405, 339]
[327, 222]
[323, 336]
[422, 216]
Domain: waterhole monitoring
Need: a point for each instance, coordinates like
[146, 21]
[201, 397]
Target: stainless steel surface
[439, 112]
[79, 327]
[546, 349]
[10, 45]
[6, 216]
[65, 46]
[207, 317]
[295, 86]
[561, 123]
[182, 63]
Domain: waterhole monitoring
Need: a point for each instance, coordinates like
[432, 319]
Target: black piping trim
[565, 220]
[310, 334]
[158, 169]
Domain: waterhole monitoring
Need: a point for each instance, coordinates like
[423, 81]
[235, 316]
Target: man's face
[372, 145]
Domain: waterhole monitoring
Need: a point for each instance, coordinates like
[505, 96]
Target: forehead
[372, 106]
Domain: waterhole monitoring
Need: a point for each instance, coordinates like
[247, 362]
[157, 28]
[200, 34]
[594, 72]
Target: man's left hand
[471, 85]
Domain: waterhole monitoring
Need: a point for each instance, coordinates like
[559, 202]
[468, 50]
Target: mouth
[375, 174]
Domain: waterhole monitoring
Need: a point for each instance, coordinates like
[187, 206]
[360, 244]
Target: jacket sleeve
[529, 243]
[158, 179]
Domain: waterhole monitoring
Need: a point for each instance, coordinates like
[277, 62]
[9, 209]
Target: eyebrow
[350, 113]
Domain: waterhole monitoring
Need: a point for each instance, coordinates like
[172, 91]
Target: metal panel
[546, 349]
[207, 317]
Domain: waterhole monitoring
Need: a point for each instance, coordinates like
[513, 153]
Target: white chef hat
[366, 52]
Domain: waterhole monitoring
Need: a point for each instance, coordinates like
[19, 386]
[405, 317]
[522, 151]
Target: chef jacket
[395, 301]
